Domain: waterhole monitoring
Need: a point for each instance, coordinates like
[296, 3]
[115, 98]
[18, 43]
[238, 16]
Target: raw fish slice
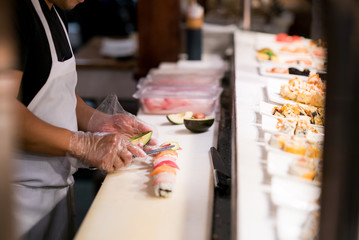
[164, 158]
[163, 168]
[168, 163]
[167, 152]
[164, 177]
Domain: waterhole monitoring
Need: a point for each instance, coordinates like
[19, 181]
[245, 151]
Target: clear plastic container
[180, 81]
[195, 72]
[169, 100]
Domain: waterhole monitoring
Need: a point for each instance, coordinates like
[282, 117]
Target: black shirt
[34, 50]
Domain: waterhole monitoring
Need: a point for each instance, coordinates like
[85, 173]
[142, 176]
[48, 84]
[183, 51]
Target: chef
[56, 137]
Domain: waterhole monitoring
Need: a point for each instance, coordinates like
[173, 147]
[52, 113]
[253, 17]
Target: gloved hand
[103, 150]
[112, 118]
[124, 124]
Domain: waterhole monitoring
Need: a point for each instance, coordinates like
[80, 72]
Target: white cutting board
[126, 207]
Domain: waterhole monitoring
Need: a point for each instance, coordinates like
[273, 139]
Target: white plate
[267, 109]
[278, 163]
[292, 192]
[290, 221]
[269, 124]
[273, 92]
[264, 67]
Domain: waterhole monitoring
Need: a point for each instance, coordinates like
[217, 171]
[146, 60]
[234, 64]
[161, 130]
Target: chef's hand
[124, 124]
[103, 150]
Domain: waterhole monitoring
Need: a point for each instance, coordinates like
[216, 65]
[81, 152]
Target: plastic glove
[103, 150]
[112, 118]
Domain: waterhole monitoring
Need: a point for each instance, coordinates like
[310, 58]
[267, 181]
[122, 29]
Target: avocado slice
[178, 118]
[143, 138]
[176, 145]
[198, 125]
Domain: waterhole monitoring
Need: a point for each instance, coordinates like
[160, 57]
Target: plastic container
[169, 100]
[180, 81]
[189, 72]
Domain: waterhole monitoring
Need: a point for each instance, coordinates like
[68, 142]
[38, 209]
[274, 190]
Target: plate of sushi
[292, 146]
[314, 115]
[293, 127]
[291, 192]
[284, 71]
[310, 91]
[307, 169]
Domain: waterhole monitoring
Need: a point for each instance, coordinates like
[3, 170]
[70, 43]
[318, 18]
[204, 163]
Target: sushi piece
[167, 152]
[287, 126]
[304, 168]
[295, 147]
[267, 54]
[163, 168]
[302, 128]
[168, 163]
[164, 158]
[164, 177]
[163, 189]
[278, 140]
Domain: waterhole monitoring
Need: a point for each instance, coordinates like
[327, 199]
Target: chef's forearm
[84, 113]
[38, 136]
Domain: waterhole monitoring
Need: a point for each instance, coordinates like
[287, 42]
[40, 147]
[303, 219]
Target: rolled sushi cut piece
[164, 177]
[163, 168]
[168, 163]
[163, 189]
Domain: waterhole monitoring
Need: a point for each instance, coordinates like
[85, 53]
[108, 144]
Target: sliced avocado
[178, 118]
[176, 145]
[143, 138]
[198, 125]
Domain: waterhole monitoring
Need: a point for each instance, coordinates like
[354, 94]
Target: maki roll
[164, 184]
[164, 173]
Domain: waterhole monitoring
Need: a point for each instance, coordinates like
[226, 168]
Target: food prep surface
[126, 206]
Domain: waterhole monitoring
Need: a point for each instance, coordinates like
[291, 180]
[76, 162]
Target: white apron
[42, 182]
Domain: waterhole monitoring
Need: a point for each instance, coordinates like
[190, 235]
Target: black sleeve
[21, 28]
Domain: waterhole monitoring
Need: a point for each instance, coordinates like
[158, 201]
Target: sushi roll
[304, 96]
[295, 146]
[303, 167]
[302, 128]
[164, 184]
[278, 140]
[163, 189]
[286, 126]
[164, 173]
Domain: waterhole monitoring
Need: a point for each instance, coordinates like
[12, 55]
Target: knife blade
[158, 150]
[221, 176]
